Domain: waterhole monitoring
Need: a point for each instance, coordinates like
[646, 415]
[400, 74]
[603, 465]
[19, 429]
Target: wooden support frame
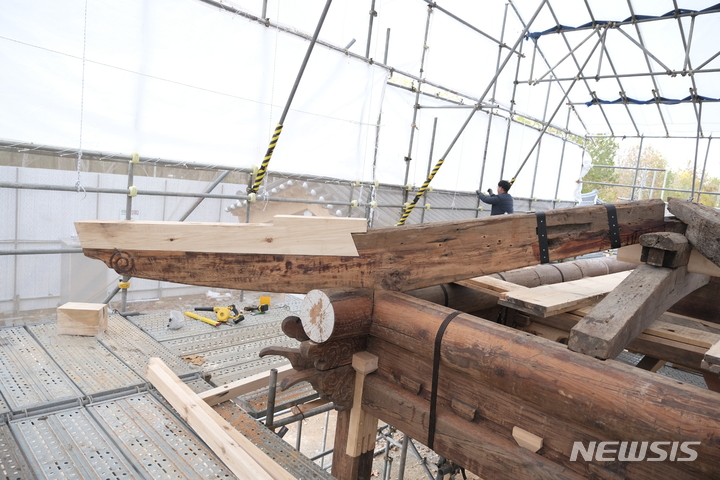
[363, 425]
[241, 456]
[243, 386]
[629, 309]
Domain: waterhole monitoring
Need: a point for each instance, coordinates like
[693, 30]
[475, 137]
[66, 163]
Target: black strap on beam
[542, 237]
[436, 368]
[614, 226]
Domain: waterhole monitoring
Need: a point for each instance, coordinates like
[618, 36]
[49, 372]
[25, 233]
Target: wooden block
[547, 300]
[713, 354]
[686, 330]
[76, 318]
[697, 263]
[364, 362]
[526, 439]
[463, 409]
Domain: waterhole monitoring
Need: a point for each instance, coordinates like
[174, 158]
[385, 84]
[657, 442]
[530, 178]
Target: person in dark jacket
[502, 202]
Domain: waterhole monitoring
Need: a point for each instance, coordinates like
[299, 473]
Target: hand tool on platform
[223, 314]
[202, 319]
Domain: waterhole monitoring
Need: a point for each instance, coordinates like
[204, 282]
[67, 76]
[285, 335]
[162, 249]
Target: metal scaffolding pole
[422, 190]
[373, 14]
[637, 169]
[416, 106]
[432, 148]
[702, 177]
[562, 101]
[562, 157]
[539, 147]
[491, 116]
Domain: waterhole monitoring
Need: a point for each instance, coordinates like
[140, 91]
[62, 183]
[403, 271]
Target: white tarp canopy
[187, 80]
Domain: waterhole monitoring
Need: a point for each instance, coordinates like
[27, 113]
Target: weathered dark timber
[636, 303]
[703, 226]
[345, 467]
[500, 412]
[401, 258]
[558, 382]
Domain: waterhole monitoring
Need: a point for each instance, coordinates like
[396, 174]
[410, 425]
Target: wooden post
[629, 309]
[345, 467]
[333, 314]
[363, 425]
[665, 249]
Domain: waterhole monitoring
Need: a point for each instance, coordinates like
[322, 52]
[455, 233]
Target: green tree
[651, 172]
[603, 152]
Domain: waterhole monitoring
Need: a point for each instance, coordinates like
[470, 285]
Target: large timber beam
[393, 258]
[703, 226]
[636, 303]
[557, 383]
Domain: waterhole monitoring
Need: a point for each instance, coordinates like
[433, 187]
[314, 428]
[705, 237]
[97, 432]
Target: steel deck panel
[223, 338]
[28, 376]
[70, 445]
[237, 354]
[155, 440]
[135, 348]
[86, 361]
[12, 462]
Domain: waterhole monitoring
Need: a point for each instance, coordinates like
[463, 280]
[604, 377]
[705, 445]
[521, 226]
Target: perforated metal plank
[12, 463]
[86, 361]
[222, 337]
[156, 441]
[70, 445]
[29, 378]
[4, 409]
[238, 372]
[155, 324]
[236, 354]
[275, 447]
[135, 348]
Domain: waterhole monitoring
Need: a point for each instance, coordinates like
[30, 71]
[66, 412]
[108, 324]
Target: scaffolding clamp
[135, 158]
[426, 206]
[132, 191]
[373, 204]
[252, 197]
[354, 204]
[124, 285]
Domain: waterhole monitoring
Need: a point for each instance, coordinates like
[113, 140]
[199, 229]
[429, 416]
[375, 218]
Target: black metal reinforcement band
[614, 226]
[436, 368]
[542, 237]
[445, 292]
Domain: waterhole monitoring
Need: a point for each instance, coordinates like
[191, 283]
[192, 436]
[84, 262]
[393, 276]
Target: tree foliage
[603, 152]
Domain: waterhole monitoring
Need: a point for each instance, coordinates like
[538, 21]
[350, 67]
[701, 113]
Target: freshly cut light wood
[686, 330]
[696, 264]
[713, 354]
[491, 285]
[75, 318]
[629, 309]
[240, 455]
[363, 425]
[243, 386]
[527, 440]
[288, 235]
[547, 300]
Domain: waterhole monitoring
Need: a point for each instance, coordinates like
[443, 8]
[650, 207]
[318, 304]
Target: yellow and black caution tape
[266, 161]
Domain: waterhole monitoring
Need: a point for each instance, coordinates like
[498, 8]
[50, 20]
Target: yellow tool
[202, 319]
[223, 314]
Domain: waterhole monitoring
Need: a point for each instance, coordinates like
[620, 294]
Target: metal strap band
[614, 226]
[542, 237]
[445, 292]
[436, 368]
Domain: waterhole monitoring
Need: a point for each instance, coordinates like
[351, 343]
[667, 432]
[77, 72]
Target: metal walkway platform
[81, 407]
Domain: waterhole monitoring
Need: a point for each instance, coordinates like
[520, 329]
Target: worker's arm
[492, 200]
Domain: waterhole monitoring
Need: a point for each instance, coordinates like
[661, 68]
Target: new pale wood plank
[363, 425]
[697, 263]
[243, 386]
[547, 300]
[629, 309]
[686, 330]
[240, 455]
[288, 235]
[491, 285]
